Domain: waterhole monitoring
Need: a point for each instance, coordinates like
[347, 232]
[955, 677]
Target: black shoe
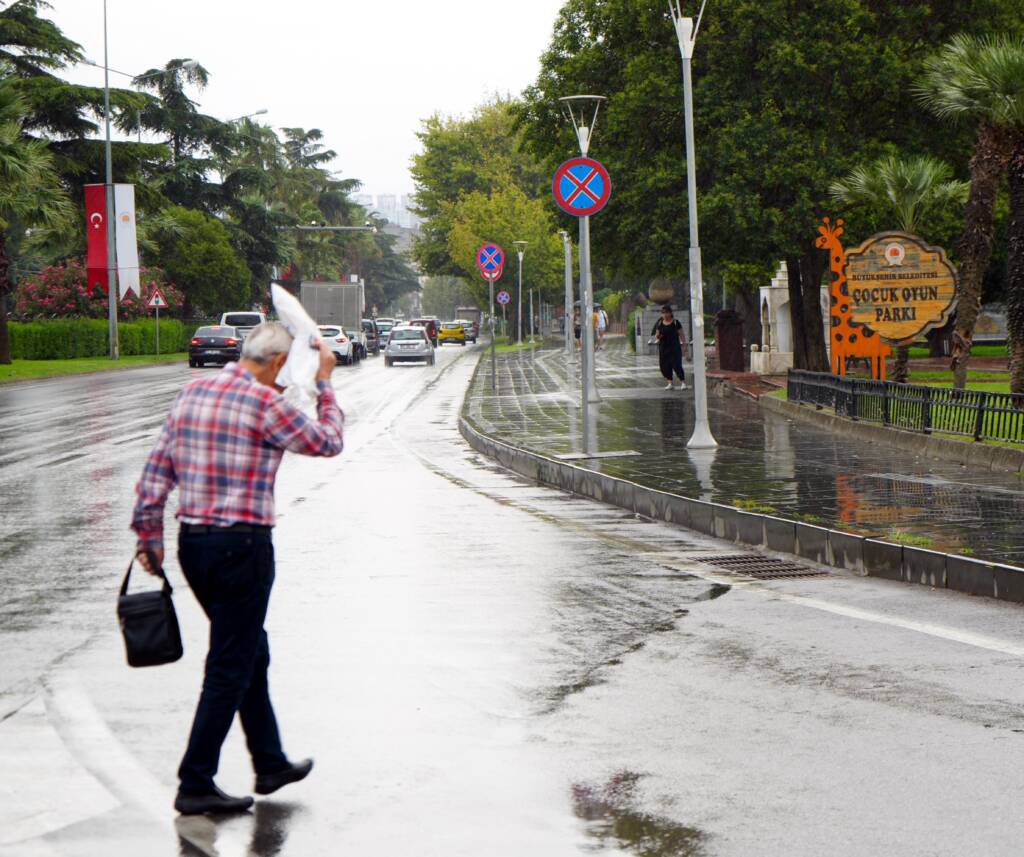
[215, 801]
[269, 783]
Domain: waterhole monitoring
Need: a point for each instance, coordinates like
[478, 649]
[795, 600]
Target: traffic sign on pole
[504, 297]
[157, 300]
[581, 187]
[490, 258]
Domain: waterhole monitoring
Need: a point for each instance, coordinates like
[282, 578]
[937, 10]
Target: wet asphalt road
[481, 666]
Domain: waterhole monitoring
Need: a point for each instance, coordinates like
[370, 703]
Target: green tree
[906, 191]
[463, 156]
[441, 295]
[198, 257]
[978, 81]
[30, 191]
[505, 216]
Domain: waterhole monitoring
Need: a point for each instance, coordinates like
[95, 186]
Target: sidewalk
[765, 462]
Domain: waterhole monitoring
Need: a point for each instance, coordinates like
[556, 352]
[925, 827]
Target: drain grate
[761, 567]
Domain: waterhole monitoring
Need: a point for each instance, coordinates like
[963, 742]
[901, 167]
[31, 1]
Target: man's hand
[146, 560]
[327, 362]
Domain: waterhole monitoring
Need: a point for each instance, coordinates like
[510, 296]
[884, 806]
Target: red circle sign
[581, 187]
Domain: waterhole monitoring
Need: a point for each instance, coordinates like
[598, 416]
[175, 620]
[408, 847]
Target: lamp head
[582, 111]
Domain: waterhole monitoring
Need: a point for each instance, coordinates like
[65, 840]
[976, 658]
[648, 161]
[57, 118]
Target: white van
[243, 322]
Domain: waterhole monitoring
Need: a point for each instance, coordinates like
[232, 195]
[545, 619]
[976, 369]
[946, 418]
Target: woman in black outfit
[671, 341]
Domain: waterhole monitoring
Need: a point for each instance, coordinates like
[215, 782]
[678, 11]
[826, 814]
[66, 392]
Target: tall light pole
[570, 352]
[686, 33]
[520, 251]
[576, 109]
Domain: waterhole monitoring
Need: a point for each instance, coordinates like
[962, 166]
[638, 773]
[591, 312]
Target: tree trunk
[812, 269]
[796, 312]
[1015, 270]
[901, 366]
[5, 290]
[974, 247]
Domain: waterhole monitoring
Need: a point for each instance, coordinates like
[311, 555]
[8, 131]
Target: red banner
[96, 228]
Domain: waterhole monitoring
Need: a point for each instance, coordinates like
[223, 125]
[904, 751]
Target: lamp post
[576, 109]
[570, 352]
[686, 33]
[520, 251]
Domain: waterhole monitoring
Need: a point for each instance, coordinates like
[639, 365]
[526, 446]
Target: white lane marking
[943, 632]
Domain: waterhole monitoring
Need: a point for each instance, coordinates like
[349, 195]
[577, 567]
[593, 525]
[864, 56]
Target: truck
[469, 313]
[341, 303]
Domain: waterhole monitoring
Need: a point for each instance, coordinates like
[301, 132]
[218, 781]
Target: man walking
[222, 444]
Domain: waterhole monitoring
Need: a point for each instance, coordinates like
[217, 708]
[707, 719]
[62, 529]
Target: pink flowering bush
[59, 291]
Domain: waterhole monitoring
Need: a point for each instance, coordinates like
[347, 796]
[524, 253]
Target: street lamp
[570, 352]
[582, 111]
[520, 251]
[262, 111]
[686, 33]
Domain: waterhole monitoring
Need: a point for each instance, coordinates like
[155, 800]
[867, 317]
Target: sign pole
[570, 351]
[158, 331]
[494, 344]
[590, 393]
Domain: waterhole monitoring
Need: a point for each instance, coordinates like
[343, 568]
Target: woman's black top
[669, 340]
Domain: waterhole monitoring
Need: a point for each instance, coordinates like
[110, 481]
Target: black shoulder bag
[149, 624]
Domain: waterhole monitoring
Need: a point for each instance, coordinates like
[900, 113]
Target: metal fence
[971, 413]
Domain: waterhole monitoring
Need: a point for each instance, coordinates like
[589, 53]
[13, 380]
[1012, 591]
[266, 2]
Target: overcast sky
[364, 71]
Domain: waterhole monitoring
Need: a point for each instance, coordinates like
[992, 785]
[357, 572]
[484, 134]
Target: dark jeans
[231, 574]
[671, 360]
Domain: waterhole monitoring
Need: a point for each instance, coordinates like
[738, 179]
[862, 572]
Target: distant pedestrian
[577, 328]
[222, 444]
[602, 325]
[671, 344]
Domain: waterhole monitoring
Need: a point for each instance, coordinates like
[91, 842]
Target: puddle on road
[612, 821]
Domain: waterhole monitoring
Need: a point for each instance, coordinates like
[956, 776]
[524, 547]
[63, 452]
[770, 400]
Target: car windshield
[242, 319]
[219, 330]
[451, 327]
[407, 333]
[329, 331]
[384, 328]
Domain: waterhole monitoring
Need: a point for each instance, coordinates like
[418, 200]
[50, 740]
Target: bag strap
[160, 573]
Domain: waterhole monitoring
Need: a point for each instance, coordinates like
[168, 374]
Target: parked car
[372, 336]
[451, 331]
[408, 342]
[472, 329]
[359, 341]
[214, 344]
[430, 325]
[339, 343]
[243, 322]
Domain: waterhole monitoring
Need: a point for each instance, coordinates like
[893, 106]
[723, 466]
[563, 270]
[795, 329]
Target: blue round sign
[490, 259]
[581, 187]
[503, 297]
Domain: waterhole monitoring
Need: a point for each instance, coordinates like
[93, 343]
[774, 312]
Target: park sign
[898, 286]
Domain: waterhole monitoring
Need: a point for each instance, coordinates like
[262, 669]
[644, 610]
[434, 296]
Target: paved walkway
[789, 468]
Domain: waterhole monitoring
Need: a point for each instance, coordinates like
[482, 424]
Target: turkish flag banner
[96, 229]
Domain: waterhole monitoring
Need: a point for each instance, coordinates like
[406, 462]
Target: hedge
[63, 339]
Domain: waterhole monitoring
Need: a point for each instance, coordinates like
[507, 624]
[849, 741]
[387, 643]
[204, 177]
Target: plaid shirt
[222, 444]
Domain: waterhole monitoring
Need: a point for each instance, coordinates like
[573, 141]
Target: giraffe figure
[848, 338]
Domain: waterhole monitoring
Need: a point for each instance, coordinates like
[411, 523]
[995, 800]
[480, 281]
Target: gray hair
[265, 340]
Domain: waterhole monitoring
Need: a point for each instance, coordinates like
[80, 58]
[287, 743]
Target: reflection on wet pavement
[765, 462]
[610, 820]
[206, 836]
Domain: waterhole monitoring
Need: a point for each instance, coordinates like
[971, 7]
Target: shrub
[64, 339]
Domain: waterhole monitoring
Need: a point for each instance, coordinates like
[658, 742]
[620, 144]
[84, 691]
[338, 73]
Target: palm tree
[30, 191]
[904, 190]
[978, 80]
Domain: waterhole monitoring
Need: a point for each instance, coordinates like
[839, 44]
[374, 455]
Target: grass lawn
[505, 347]
[921, 351]
[21, 370]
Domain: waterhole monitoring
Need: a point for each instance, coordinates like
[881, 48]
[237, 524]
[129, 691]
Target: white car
[339, 343]
[407, 343]
[358, 337]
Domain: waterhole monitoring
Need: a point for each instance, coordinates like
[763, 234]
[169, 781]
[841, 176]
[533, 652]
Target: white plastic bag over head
[298, 375]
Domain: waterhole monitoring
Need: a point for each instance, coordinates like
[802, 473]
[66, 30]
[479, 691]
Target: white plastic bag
[298, 375]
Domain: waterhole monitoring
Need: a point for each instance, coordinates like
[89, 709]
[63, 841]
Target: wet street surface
[481, 666]
[765, 462]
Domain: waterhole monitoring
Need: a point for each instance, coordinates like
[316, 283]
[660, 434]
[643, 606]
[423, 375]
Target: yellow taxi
[451, 331]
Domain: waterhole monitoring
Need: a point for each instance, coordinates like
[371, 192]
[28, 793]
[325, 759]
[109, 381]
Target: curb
[857, 554]
[958, 452]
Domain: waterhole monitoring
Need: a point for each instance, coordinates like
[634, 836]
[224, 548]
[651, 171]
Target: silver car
[408, 343]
